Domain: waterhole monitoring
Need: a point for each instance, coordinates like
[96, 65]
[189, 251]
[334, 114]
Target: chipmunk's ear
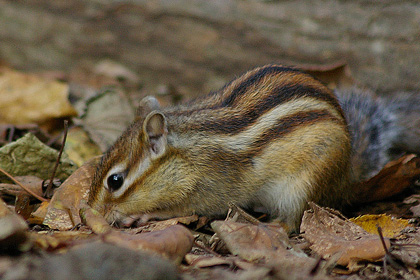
[155, 130]
[147, 105]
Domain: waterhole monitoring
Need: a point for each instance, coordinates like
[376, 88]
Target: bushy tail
[406, 109]
[382, 129]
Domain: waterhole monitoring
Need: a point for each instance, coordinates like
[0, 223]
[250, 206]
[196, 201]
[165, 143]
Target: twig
[11, 134]
[23, 187]
[388, 256]
[381, 236]
[50, 185]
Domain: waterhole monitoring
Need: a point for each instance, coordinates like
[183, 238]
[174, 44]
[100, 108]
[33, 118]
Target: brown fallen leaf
[50, 241]
[335, 75]
[38, 216]
[23, 205]
[407, 249]
[159, 225]
[63, 210]
[106, 117]
[395, 177]
[4, 210]
[13, 231]
[237, 214]
[330, 234]
[200, 261]
[31, 182]
[415, 210]
[173, 242]
[251, 242]
[415, 200]
[265, 244]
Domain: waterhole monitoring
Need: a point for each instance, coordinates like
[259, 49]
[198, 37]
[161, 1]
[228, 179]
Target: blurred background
[190, 47]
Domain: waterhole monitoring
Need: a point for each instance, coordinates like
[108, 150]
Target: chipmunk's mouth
[114, 217]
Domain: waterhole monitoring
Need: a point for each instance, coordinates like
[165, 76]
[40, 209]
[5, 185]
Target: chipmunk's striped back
[275, 136]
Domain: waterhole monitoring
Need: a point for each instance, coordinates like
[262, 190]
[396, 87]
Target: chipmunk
[275, 137]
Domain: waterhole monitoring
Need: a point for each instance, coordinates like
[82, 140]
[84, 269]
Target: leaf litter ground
[64, 239]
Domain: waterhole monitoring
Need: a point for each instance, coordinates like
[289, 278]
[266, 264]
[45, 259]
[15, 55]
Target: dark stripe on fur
[289, 124]
[233, 124]
[170, 155]
[254, 80]
[221, 101]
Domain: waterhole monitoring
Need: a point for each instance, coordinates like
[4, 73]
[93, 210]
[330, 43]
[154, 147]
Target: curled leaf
[63, 210]
[330, 234]
[395, 177]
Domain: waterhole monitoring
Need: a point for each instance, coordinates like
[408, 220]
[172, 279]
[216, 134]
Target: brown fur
[274, 136]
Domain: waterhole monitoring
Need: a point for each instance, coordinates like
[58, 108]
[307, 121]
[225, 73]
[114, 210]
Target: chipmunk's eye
[115, 181]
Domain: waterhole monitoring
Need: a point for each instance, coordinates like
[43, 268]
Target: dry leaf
[4, 211]
[207, 261]
[27, 98]
[63, 210]
[391, 226]
[330, 234]
[29, 156]
[336, 75]
[415, 210]
[262, 243]
[237, 214]
[13, 231]
[407, 250]
[159, 225]
[47, 240]
[173, 242]
[396, 176]
[23, 205]
[31, 182]
[414, 199]
[106, 117]
[251, 242]
[79, 147]
[38, 216]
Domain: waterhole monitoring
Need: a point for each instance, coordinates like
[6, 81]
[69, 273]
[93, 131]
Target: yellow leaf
[79, 147]
[26, 98]
[391, 226]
